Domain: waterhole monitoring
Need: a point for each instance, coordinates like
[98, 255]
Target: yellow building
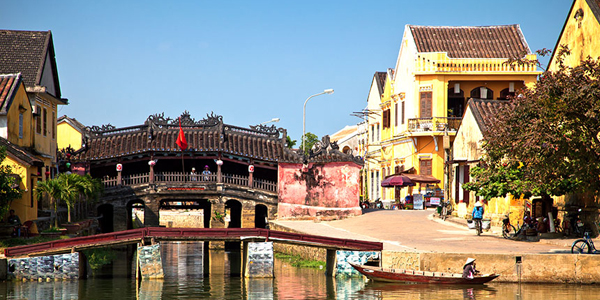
[31, 54]
[580, 33]
[439, 68]
[17, 137]
[70, 133]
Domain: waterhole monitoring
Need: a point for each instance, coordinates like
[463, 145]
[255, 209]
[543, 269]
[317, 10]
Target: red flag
[181, 142]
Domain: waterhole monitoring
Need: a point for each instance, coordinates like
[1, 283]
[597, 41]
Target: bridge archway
[106, 223]
[186, 213]
[261, 215]
[135, 214]
[233, 208]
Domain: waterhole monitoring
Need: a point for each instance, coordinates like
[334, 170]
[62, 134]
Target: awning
[418, 178]
[397, 180]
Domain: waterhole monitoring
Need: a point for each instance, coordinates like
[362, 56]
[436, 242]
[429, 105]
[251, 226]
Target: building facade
[439, 68]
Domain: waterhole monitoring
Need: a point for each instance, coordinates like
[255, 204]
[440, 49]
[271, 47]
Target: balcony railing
[433, 124]
[440, 62]
[179, 178]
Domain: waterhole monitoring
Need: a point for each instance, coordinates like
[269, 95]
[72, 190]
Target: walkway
[410, 230]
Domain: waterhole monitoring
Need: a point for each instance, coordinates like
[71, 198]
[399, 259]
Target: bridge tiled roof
[158, 135]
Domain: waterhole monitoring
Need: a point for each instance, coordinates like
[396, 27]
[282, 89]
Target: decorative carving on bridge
[330, 150]
[211, 120]
[158, 119]
[99, 129]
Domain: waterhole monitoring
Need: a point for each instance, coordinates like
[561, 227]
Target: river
[184, 265]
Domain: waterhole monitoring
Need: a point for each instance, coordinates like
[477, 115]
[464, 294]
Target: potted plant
[53, 232]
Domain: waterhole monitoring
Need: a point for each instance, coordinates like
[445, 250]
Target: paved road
[418, 230]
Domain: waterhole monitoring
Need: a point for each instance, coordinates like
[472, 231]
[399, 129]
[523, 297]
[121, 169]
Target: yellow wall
[580, 36]
[20, 100]
[45, 143]
[23, 207]
[68, 136]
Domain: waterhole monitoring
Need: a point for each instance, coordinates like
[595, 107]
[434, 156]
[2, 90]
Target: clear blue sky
[249, 61]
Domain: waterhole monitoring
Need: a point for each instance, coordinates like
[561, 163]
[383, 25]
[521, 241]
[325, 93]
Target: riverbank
[416, 240]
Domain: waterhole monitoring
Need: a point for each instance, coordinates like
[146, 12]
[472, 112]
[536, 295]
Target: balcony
[185, 178]
[433, 124]
[427, 63]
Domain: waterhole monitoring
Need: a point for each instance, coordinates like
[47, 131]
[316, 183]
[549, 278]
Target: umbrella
[397, 180]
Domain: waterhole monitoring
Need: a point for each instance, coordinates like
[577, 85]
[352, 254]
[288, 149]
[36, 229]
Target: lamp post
[274, 120]
[327, 91]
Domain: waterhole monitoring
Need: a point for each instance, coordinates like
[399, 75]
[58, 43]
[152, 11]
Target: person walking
[477, 216]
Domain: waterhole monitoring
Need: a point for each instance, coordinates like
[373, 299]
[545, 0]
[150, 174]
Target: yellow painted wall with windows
[581, 34]
[20, 106]
[68, 136]
[45, 135]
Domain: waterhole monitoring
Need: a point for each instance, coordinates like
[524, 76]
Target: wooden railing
[433, 124]
[440, 62]
[179, 177]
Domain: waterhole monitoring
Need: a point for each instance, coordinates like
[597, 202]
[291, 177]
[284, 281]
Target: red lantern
[119, 167]
[251, 168]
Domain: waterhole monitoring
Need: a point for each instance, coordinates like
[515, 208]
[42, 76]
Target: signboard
[434, 201]
[418, 201]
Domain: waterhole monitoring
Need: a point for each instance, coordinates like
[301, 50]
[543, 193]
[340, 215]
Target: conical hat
[469, 261]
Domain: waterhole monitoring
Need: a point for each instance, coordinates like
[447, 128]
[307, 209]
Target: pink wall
[320, 190]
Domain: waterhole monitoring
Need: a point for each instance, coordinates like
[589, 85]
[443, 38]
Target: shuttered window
[426, 104]
[425, 166]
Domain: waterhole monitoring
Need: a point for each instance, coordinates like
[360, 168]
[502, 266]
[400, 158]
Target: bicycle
[478, 226]
[584, 245]
[509, 230]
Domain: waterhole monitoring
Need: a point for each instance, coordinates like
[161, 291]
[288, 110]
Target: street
[418, 230]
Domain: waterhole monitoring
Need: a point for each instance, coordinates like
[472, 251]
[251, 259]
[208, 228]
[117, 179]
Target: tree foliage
[310, 139]
[8, 192]
[289, 142]
[546, 140]
[69, 188]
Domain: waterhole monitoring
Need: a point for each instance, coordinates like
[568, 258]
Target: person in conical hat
[469, 270]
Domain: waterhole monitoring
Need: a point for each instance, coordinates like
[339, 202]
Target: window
[53, 125]
[386, 118]
[425, 167]
[396, 114]
[372, 133]
[482, 93]
[402, 117]
[378, 133]
[20, 125]
[426, 104]
[38, 120]
[372, 185]
[45, 120]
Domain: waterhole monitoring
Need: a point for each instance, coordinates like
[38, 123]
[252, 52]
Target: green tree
[310, 139]
[290, 143]
[52, 189]
[8, 192]
[546, 140]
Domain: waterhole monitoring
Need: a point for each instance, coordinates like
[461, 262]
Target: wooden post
[151, 179]
[251, 173]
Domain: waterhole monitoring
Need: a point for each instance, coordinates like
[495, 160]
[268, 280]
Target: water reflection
[191, 275]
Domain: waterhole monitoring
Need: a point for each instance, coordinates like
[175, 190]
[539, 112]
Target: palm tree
[52, 189]
[71, 185]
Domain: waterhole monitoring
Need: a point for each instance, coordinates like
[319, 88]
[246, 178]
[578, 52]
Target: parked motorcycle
[577, 225]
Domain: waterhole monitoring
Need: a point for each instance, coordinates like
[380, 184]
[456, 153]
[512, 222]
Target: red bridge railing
[207, 234]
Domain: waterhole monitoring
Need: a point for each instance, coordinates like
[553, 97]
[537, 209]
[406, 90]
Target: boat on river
[411, 276]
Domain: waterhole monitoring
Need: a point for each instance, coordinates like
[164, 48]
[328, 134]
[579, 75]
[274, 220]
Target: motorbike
[577, 226]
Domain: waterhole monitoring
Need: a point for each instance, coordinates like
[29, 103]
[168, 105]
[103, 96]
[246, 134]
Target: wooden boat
[410, 276]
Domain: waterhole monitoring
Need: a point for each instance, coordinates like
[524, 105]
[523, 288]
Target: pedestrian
[469, 270]
[14, 221]
[478, 215]
[527, 220]
[194, 175]
[206, 172]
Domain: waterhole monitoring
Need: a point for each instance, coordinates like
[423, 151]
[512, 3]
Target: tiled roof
[503, 41]
[71, 121]
[25, 52]
[20, 153]
[344, 132]
[9, 85]
[485, 112]
[204, 136]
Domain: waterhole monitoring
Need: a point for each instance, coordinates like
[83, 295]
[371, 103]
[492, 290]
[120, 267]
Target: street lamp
[274, 120]
[327, 91]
